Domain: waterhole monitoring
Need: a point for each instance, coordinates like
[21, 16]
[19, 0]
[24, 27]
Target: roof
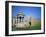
[20, 13]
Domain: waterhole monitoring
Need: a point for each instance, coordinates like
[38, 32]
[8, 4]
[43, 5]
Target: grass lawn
[35, 27]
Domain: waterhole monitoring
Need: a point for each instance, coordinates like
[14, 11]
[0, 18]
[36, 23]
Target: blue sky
[34, 12]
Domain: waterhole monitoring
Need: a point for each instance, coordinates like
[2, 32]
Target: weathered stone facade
[21, 21]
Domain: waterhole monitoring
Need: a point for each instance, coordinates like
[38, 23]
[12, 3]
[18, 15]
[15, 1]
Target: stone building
[21, 21]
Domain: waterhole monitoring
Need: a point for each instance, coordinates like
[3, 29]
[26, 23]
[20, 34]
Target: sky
[34, 12]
